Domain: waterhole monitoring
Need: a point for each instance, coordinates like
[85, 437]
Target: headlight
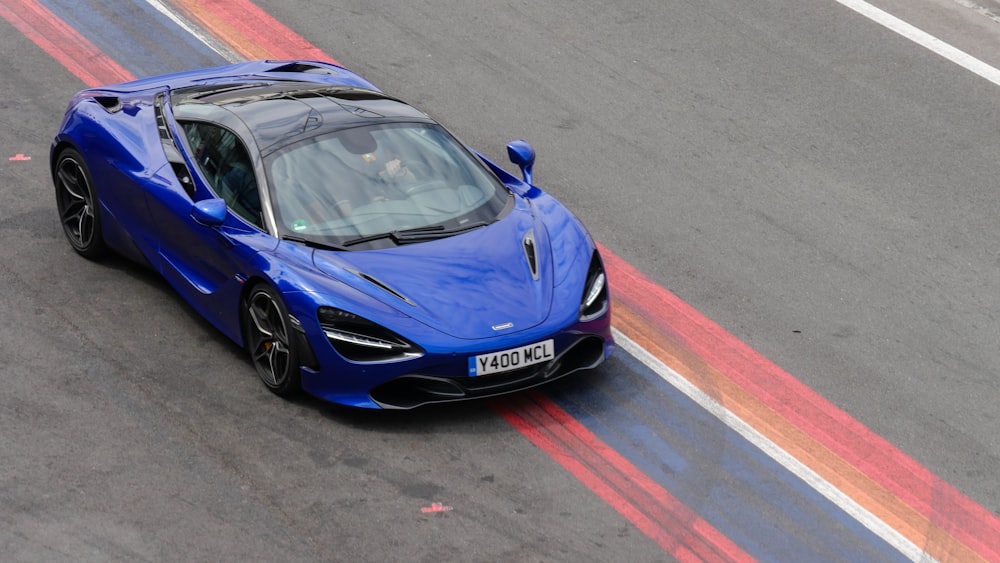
[595, 292]
[360, 340]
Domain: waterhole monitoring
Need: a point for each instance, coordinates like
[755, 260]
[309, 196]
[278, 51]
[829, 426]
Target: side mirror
[522, 154]
[209, 212]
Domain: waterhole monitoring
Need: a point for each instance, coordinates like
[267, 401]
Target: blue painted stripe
[750, 498]
[135, 35]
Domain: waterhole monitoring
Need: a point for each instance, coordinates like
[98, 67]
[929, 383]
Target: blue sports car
[350, 243]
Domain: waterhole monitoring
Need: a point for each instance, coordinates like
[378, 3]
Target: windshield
[350, 186]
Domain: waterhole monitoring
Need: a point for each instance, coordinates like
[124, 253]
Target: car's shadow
[419, 420]
[427, 417]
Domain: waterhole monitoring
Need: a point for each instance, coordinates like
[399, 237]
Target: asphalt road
[818, 185]
[821, 187]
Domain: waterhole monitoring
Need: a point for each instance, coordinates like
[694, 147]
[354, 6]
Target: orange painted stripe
[838, 472]
[248, 30]
[200, 14]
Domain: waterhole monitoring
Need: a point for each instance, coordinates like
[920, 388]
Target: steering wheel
[417, 174]
[420, 170]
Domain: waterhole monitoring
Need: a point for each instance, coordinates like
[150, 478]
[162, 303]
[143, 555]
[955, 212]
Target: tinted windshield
[365, 181]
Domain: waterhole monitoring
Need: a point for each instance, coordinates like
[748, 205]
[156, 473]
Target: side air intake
[111, 104]
[302, 67]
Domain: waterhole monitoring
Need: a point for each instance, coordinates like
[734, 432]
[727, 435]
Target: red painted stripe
[72, 50]
[939, 502]
[653, 510]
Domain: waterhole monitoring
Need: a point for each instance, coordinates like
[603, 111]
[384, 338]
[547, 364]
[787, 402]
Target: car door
[207, 263]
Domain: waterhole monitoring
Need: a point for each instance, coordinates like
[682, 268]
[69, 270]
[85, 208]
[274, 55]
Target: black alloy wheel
[77, 205]
[268, 336]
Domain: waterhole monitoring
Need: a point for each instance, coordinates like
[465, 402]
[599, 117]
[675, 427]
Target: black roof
[278, 113]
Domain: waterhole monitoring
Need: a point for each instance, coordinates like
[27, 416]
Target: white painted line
[196, 31]
[924, 39]
[772, 450]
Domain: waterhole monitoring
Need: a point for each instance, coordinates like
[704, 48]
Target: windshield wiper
[312, 243]
[368, 238]
[418, 234]
[433, 232]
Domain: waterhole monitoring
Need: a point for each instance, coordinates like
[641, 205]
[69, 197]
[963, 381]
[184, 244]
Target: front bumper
[413, 390]
[440, 376]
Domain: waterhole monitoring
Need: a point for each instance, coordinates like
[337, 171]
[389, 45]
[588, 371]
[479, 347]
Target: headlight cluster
[360, 340]
[595, 292]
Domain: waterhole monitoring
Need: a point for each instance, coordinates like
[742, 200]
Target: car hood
[473, 285]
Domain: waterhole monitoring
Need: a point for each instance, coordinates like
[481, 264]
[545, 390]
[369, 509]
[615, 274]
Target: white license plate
[515, 358]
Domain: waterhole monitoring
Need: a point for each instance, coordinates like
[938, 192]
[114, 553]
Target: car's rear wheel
[76, 201]
[269, 339]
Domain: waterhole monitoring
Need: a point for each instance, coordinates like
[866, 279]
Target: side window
[225, 163]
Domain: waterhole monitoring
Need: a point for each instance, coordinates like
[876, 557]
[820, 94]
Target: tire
[268, 335]
[77, 203]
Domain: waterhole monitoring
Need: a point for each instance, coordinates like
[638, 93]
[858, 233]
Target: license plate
[515, 358]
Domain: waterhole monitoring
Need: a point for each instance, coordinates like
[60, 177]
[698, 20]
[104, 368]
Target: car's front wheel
[268, 336]
[76, 201]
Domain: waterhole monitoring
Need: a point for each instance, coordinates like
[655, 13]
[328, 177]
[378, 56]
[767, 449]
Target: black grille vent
[378, 283]
[531, 252]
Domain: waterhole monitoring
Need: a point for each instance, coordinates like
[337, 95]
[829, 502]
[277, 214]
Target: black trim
[413, 390]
